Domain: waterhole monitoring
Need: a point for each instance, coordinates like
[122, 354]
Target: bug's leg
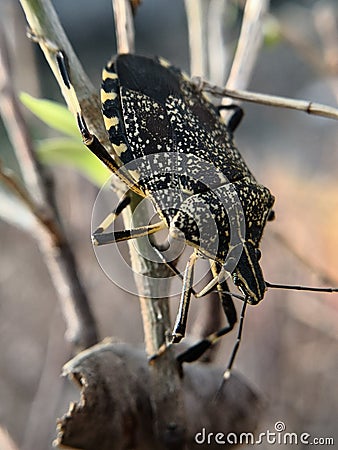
[181, 318]
[101, 238]
[169, 264]
[90, 140]
[182, 314]
[236, 117]
[196, 351]
[111, 217]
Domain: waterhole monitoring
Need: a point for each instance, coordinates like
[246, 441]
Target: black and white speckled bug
[173, 147]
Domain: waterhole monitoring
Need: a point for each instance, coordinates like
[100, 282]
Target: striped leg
[99, 237]
[182, 315]
[196, 351]
[90, 140]
[125, 235]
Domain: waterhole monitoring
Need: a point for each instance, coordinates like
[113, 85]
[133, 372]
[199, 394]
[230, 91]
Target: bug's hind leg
[196, 351]
[236, 117]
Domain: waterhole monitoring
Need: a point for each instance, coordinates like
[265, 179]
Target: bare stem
[196, 13]
[81, 328]
[218, 51]
[124, 26]
[46, 28]
[248, 45]
[153, 285]
[272, 100]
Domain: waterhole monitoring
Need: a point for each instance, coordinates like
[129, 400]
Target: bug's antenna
[300, 288]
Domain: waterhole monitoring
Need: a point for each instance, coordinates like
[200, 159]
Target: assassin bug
[174, 148]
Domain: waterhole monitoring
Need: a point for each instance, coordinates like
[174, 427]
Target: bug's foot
[176, 338]
[41, 39]
[160, 352]
[225, 378]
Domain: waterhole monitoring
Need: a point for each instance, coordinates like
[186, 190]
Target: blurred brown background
[289, 348]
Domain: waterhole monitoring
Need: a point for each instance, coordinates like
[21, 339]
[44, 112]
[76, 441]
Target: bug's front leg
[100, 237]
[196, 351]
[182, 315]
[89, 139]
[111, 217]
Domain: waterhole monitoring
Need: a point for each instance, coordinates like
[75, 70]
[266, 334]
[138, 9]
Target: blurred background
[289, 348]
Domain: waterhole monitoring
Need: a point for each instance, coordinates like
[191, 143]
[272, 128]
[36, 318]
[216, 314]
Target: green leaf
[54, 114]
[72, 153]
[271, 32]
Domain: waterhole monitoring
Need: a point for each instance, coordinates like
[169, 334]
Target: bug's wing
[201, 132]
[150, 152]
[147, 76]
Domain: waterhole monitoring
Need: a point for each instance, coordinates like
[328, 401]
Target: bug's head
[248, 275]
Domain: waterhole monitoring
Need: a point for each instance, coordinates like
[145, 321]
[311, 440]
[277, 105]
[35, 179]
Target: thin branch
[327, 29]
[50, 389]
[81, 329]
[271, 100]
[124, 26]
[249, 44]
[196, 14]
[47, 30]
[218, 51]
[297, 37]
[323, 58]
[8, 178]
[149, 276]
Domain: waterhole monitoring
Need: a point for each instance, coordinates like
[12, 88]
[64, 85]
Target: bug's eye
[258, 254]
[271, 215]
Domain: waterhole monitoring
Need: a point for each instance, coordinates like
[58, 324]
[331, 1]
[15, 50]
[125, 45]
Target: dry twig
[307, 106]
[81, 328]
[249, 44]
[169, 409]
